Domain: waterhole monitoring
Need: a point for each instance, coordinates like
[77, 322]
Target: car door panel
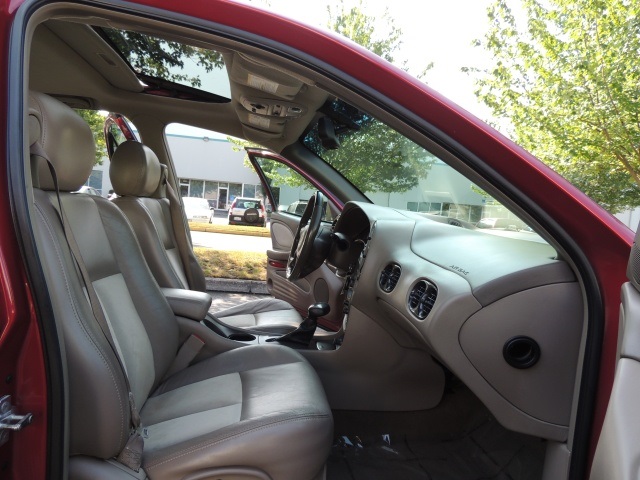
[321, 285]
[617, 455]
[283, 228]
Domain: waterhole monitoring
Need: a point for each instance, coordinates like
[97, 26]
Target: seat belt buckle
[131, 454]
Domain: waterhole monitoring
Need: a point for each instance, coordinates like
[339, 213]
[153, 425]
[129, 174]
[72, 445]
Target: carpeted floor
[484, 450]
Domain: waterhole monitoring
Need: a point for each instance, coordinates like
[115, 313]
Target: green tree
[153, 57]
[355, 24]
[565, 76]
[161, 58]
[96, 123]
[376, 158]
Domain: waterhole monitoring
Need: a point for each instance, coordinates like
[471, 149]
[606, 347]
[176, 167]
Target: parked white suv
[247, 211]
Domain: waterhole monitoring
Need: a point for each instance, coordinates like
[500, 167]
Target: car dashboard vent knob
[389, 277]
[422, 298]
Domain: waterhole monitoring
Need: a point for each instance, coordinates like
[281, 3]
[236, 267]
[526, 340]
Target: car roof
[88, 84]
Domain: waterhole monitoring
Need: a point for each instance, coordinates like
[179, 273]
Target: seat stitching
[206, 444]
[89, 337]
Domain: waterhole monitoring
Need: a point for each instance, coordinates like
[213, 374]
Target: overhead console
[505, 315]
[267, 100]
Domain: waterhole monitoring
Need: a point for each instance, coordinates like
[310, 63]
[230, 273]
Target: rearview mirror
[327, 134]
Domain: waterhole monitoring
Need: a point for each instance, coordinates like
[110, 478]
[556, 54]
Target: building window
[196, 188]
[249, 191]
[184, 187]
[235, 190]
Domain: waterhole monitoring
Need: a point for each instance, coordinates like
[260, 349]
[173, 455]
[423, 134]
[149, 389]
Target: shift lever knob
[318, 310]
[304, 333]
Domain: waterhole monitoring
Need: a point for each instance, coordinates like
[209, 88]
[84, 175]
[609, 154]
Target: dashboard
[505, 315]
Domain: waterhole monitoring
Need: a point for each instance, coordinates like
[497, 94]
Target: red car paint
[599, 237]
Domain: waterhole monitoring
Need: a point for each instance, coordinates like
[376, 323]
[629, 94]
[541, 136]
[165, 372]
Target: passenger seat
[251, 412]
[140, 181]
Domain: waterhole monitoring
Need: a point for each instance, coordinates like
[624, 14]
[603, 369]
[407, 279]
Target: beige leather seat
[137, 177]
[256, 412]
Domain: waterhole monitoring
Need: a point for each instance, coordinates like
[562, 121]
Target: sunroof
[170, 68]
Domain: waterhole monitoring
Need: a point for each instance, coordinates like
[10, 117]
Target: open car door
[288, 191]
[618, 452]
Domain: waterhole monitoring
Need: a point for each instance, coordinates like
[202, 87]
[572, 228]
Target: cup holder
[242, 337]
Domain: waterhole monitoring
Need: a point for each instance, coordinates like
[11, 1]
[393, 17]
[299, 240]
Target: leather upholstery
[260, 408]
[59, 140]
[268, 314]
[188, 303]
[134, 173]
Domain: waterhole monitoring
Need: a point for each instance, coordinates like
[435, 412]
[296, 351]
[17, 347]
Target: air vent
[389, 277]
[422, 298]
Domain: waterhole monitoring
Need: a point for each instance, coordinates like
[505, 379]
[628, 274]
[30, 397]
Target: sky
[438, 31]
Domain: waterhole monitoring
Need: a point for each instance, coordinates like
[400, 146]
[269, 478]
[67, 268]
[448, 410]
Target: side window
[107, 136]
[291, 191]
[117, 129]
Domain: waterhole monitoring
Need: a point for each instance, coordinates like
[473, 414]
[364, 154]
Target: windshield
[391, 170]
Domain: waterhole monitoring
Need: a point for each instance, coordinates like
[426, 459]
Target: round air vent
[422, 298]
[389, 277]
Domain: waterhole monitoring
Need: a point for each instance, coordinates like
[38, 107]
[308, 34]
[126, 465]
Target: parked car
[247, 211]
[89, 190]
[442, 348]
[504, 223]
[197, 209]
[297, 207]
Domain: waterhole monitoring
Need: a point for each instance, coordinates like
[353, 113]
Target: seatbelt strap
[187, 352]
[131, 455]
[192, 269]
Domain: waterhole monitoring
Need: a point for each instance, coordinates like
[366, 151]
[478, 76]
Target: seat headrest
[66, 139]
[633, 267]
[135, 170]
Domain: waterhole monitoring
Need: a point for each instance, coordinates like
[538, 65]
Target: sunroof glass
[171, 61]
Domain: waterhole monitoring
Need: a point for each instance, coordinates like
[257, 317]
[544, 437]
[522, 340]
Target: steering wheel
[302, 250]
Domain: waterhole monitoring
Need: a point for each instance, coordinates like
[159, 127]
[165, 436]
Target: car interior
[399, 344]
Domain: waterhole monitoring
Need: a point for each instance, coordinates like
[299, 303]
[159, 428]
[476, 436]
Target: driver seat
[140, 181]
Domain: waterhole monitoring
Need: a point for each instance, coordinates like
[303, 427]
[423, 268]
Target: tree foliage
[96, 123]
[566, 77]
[375, 158]
[161, 58]
[355, 24]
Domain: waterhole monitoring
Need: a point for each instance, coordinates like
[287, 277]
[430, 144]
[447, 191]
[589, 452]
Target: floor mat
[488, 451]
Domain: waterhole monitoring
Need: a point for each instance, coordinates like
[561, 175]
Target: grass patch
[229, 229]
[232, 264]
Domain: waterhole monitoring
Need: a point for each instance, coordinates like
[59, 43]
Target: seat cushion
[270, 315]
[258, 406]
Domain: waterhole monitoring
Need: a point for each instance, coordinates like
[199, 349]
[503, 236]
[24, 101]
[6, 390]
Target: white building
[220, 174]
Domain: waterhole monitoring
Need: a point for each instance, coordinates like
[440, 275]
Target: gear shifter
[304, 333]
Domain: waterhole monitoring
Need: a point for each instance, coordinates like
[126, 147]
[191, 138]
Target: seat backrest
[143, 202]
[143, 327]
